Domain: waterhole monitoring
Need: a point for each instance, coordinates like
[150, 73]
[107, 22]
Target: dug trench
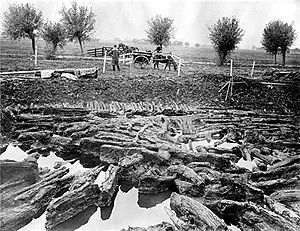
[195, 153]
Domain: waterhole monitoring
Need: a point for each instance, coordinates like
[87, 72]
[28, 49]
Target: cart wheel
[141, 61]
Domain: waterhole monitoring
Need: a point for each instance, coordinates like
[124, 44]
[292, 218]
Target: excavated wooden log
[129, 161]
[109, 187]
[282, 210]
[35, 136]
[229, 188]
[73, 202]
[188, 189]
[248, 216]
[65, 147]
[290, 198]
[285, 172]
[179, 224]
[287, 162]
[196, 213]
[187, 174]
[155, 181]
[267, 159]
[164, 226]
[112, 154]
[19, 204]
[271, 186]
[219, 162]
[210, 173]
[81, 194]
[67, 129]
[34, 118]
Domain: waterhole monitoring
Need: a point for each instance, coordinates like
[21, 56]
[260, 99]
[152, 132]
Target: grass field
[17, 55]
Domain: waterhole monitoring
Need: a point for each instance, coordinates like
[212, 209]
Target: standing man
[115, 58]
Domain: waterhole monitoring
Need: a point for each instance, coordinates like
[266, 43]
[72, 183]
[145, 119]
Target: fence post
[179, 66]
[231, 67]
[123, 58]
[95, 52]
[252, 69]
[104, 62]
[35, 53]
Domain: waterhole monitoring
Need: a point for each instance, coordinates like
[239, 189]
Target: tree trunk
[275, 56]
[80, 44]
[222, 58]
[283, 57]
[33, 43]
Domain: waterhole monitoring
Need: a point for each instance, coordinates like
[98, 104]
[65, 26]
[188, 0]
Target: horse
[167, 59]
[126, 49]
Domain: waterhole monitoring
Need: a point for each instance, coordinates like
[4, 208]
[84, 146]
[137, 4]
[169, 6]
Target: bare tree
[225, 34]
[55, 35]
[278, 36]
[79, 22]
[160, 30]
[22, 21]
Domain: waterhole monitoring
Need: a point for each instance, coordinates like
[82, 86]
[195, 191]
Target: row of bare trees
[78, 22]
[226, 34]
[25, 21]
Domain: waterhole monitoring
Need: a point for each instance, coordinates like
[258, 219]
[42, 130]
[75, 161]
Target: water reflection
[205, 143]
[49, 161]
[36, 224]
[76, 222]
[129, 209]
[126, 212]
[149, 201]
[13, 153]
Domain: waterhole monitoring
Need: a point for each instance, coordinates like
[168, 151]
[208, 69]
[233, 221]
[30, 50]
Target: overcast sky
[128, 18]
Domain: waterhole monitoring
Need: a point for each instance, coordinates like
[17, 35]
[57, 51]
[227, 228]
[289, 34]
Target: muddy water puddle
[129, 209]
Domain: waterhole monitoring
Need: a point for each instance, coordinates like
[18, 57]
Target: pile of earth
[200, 90]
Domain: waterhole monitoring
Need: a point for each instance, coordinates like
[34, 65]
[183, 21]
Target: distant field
[17, 55]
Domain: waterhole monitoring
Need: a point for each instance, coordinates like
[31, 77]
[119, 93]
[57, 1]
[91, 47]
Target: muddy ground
[197, 89]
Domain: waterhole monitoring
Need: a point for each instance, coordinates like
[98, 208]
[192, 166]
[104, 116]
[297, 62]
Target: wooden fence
[99, 52]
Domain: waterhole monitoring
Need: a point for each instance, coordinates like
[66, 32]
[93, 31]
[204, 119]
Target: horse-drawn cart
[141, 58]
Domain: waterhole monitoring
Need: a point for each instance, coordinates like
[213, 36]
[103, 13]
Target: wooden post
[223, 86]
[228, 89]
[123, 58]
[252, 69]
[230, 82]
[179, 66]
[95, 52]
[104, 62]
[35, 53]
[231, 87]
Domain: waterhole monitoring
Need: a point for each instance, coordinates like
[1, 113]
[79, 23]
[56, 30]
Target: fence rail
[98, 52]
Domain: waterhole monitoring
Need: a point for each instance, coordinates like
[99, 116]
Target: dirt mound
[194, 89]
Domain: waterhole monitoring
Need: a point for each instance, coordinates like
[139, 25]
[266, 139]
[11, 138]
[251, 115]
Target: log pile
[157, 153]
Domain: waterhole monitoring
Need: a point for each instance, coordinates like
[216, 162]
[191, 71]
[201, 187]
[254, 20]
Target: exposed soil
[193, 89]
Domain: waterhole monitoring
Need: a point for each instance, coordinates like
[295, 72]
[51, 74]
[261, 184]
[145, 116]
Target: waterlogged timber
[196, 156]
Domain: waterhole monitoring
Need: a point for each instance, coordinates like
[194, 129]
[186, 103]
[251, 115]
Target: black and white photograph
[150, 115]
